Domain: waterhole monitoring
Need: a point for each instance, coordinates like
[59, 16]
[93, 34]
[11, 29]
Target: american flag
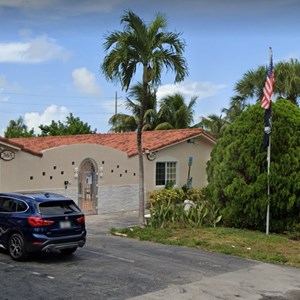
[269, 85]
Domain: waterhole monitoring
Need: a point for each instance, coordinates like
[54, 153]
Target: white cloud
[85, 81]
[190, 89]
[52, 112]
[36, 50]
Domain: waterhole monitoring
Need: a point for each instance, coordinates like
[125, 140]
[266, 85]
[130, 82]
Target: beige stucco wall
[117, 184]
[118, 175]
[200, 150]
[29, 172]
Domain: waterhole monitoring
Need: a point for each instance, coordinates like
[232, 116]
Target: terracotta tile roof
[18, 145]
[126, 142]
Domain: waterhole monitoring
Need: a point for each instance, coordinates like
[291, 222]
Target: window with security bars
[165, 173]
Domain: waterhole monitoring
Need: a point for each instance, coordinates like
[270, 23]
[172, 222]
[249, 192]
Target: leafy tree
[237, 171]
[174, 113]
[151, 47]
[287, 82]
[17, 128]
[72, 126]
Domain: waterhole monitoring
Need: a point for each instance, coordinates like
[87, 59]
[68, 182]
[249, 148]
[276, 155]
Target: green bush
[293, 232]
[176, 196]
[167, 207]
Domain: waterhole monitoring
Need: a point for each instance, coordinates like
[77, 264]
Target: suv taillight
[81, 219]
[37, 222]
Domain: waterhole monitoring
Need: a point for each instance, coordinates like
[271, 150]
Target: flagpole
[266, 104]
[268, 174]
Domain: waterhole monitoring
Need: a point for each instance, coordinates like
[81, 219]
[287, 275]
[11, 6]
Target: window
[10, 205]
[58, 208]
[22, 207]
[165, 173]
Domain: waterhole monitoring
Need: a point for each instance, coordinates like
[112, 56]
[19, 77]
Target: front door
[88, 187]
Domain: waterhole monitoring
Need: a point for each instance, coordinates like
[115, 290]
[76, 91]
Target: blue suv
[33, 222]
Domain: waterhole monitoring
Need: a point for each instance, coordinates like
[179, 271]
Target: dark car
[34, 222]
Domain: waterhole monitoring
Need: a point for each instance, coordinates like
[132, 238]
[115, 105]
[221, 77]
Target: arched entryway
[88, 186]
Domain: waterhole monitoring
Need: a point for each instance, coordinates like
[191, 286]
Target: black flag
[267, 130]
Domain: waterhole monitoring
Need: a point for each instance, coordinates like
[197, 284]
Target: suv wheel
[16, 247]
[68, 251]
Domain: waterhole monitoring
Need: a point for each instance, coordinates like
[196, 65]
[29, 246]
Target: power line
[81, 113]
[42, 104]
[56, 96]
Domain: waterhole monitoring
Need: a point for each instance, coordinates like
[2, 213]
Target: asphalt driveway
[213, 276]
[118, 268]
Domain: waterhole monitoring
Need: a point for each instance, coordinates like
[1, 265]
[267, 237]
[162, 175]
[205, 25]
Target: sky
[51, 52]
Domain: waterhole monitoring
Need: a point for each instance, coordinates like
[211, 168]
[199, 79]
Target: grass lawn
[272, 248]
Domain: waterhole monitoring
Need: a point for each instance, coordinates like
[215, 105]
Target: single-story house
[101, 171]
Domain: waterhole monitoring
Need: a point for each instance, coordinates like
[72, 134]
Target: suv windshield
[58, 208]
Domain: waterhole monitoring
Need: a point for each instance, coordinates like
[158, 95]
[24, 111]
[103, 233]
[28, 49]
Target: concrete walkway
[259, 282]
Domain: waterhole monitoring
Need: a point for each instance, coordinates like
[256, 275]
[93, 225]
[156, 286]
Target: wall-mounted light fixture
[191, 141]
[75, 173]
[101, 172]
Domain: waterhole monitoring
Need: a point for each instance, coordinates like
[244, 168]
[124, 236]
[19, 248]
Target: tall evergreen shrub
[237, 171]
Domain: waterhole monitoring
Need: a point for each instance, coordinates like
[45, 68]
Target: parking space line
[28, 271]
[109, 255]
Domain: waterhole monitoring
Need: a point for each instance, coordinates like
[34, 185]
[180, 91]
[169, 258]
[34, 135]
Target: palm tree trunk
[140, 150]
[141, 176]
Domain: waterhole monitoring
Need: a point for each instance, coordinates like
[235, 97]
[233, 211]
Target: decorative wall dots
[115, 168]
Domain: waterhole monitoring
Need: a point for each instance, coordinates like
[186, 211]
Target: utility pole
[116, 103]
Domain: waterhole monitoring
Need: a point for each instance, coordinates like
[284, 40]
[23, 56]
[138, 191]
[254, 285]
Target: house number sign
[7, 155]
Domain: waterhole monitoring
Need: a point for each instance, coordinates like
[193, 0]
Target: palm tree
[151, 47]
[252, 84]
[214, 125]
[286, 86]
[124, 122]
[288, 80]
[174, 113]
[236, 108]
